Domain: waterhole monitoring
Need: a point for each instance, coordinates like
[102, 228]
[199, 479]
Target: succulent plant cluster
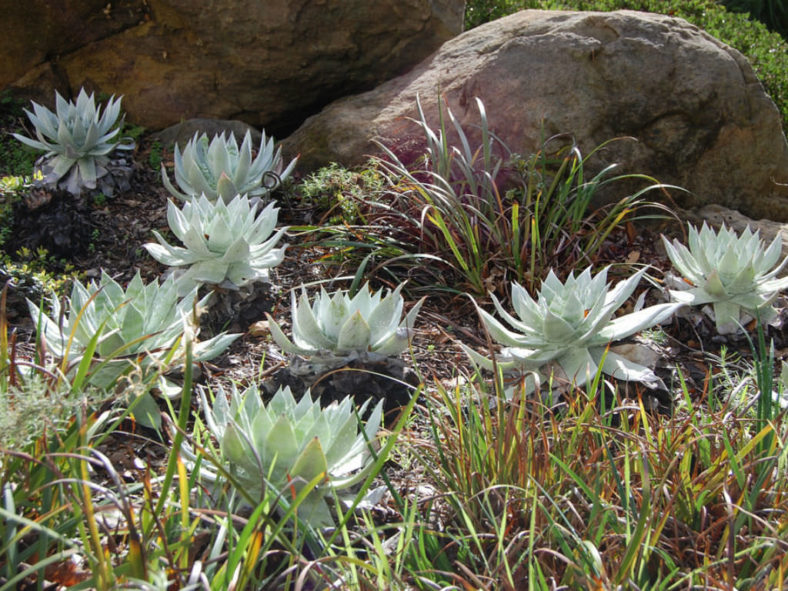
[733, 273]
[285, 445]
[229, 244]
[135, 327]
[77, 140]
[220, 169]
[568, 328]
[336, 328]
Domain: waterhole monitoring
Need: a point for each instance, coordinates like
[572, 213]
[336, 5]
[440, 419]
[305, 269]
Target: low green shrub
[767, 51]
[335, 191]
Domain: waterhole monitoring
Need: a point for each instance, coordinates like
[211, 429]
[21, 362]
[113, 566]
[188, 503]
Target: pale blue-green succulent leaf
[354, 335]
[237, 449]
[621, 368]
[578, 365]
[146, 412]
[727, 315]
[629, 324]
[308, 332]
[281, 339]
[506, 361]
[503, 335]
[557, 330]
[311, 462]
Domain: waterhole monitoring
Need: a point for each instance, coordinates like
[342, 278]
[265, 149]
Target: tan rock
[268, 63]
[700, 117]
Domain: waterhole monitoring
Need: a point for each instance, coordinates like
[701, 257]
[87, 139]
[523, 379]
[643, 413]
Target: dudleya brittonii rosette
[335, 328]
[568, 328]
[227, 244]
[733, 273]
[222, 170]
[135, 327]
[77, 141]
[287, 445]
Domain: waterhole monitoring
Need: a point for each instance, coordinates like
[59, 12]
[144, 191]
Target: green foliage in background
[772, 13]
[16, 158]
[767, 51]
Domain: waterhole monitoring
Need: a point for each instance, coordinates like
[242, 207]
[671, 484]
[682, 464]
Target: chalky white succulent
[569, 327]
[335, 328]
[228, 244]
[271, 448]
[220, 169]
[733, 273]
[77, 140]
[136, 327]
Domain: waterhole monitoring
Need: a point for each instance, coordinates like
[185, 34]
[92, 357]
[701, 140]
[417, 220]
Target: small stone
[259, 328]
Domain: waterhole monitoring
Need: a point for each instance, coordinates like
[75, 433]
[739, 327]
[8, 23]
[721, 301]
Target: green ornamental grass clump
[451, 209]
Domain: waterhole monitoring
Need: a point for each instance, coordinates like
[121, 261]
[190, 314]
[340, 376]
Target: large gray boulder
[700, 117]
[269, 63]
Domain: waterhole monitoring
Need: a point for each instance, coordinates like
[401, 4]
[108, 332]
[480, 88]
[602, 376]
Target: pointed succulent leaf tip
[354, 334]
[236, 449]
[307, 327]
[311, 463]
[732, 272]
[565, 323]
[336, 312]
